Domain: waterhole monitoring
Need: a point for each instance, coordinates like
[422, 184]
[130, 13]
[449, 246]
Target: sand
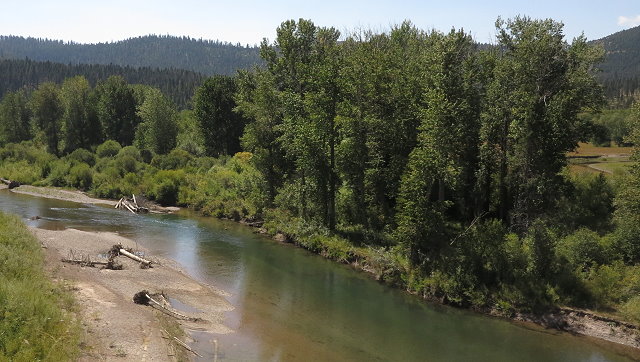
[115, 327]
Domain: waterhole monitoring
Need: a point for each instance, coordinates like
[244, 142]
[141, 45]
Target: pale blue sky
[247, 22]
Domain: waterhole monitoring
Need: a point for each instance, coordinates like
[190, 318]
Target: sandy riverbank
[115, 327]
[80, 197]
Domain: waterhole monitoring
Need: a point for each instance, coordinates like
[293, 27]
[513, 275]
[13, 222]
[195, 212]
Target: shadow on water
[292, 305]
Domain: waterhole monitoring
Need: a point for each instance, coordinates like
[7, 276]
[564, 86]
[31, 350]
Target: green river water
[290, 305]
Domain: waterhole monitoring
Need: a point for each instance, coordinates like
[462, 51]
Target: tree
[159, 129]
[117, 110]
[441, 168]
[82, 128]
[258, 100]
[540, 85]
[15, 118]
[47, 112]
[213, 107]
[627, 202]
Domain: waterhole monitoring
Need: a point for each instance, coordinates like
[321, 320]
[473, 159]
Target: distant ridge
[621, 67]
[202, 56]
[178, 84]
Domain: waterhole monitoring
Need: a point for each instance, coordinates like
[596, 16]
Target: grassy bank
[35, 318]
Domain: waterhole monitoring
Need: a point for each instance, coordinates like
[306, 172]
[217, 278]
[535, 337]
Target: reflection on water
[291, 305]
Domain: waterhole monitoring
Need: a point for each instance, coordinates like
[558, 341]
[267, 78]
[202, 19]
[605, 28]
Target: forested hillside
[621, 66]
[179, 85]
[202, 56]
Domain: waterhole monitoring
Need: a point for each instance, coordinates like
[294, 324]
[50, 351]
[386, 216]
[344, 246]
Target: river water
[290, 305]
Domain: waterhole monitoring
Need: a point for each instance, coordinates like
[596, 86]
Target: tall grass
[35, 319]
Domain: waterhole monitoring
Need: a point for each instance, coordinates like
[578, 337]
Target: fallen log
[119, 203]
[144, 298]
[83, 262]
[11, 184]
[126, 204]
[134, 257]
[186, 347]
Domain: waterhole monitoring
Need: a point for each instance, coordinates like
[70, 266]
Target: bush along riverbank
[37, 315]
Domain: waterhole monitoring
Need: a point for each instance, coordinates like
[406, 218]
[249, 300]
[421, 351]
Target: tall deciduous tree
[159, 129]
[540, 84]
[441, 168]
[15, 117]
[213, 107]
[117, 110]
[47, 112]
[82, 128]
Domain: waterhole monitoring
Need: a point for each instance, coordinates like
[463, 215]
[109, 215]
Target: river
[291, 305]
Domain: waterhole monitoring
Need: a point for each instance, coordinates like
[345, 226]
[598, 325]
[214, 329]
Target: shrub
[82, 155]
[166, 185]
[176, 159]
[130, 151]
[80, 176]
[126, 164]
[109, 148]
[21, 171]
[59, 170]
[582, 249]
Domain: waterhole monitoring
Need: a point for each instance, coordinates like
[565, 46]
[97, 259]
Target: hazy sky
[247, 22]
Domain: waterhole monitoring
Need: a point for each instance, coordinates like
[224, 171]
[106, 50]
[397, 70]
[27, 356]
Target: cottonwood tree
[159, 128]
[15, 118]
[213, 108]
[117, 110]
[48, 110]
[540, 85]
[441, 167]
[82, 127]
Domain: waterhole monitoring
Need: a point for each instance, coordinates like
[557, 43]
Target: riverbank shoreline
[114, 326]
[576, 322]
[80, 197]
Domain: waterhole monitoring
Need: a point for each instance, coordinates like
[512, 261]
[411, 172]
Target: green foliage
[48, 110]
[176, 159]
[37, 323]
[166, 186]
[109, 148]
[116, 106]
[159, 129]
[213, 110]
[582, 250]
[82, 155]
[80, 176]
[231, 190]
[82, 128]
[190, 136]
[587, 202]
[15, 118]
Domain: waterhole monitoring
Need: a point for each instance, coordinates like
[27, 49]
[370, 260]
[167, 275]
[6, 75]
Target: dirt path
[115, 327]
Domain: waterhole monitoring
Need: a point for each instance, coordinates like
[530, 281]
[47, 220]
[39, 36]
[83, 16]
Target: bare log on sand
[122, 251]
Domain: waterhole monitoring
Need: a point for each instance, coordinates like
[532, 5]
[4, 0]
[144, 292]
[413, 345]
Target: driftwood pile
[11, 184]
[111, 263]
[83, 260]
[131, 205]
[121, 250]
[159, 301]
